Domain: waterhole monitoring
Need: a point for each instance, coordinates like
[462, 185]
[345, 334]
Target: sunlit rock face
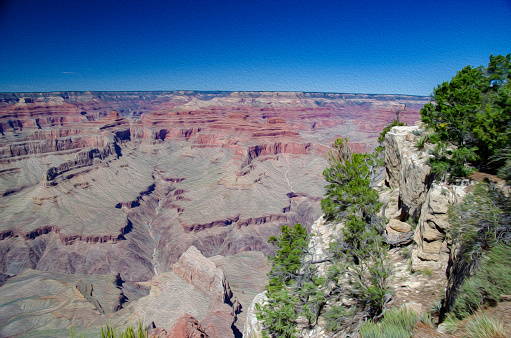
[123, 183]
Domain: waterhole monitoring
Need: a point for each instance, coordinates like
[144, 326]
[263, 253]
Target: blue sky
[384, 47]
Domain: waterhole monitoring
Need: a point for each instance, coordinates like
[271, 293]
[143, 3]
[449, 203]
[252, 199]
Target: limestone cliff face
[407, 169]
[420, 197]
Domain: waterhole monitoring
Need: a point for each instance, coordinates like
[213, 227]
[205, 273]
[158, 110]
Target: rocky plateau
[157, 206]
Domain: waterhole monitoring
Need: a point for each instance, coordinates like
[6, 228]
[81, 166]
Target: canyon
[157, 206]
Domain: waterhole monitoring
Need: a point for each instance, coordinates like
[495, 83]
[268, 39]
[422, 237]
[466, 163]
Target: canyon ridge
[157, 206]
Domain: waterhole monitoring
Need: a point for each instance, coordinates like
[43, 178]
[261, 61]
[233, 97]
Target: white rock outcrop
[420, 196]
[407, 168]
[253, 327]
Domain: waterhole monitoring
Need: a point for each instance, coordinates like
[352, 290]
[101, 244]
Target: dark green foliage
[357, 260]
[349, 191]
[420, 144]
[490, 282]
[288, 259]
[361, 252]
[279, 313]
[471, 118]
[504, 156]
[333, 317]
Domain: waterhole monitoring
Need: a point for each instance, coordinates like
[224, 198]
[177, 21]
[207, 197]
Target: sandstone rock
[399, 226]
[247, 276]
[431, 247]
[430, 233]
[438, 201]
[323, 233]
[201, 272]
[437, 221]
[390, 199]
[187, 327]
[393, 234]
[40, 303]
[427, 257]
[219, 322]
[169, 298]
[157, 333]
[406, 168]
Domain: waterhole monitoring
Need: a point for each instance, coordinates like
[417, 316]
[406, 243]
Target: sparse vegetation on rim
[469, 122]
[358, 267]
[395, 323]
[482, 326]
[110, 331]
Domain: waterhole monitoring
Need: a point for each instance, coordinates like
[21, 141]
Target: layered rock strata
[122, 184]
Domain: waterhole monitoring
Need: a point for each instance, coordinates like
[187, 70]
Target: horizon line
[204, 91]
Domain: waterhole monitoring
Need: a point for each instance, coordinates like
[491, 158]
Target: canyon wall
[123, 183]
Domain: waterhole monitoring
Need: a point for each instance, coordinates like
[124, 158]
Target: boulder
[399, 226]
[201, 272]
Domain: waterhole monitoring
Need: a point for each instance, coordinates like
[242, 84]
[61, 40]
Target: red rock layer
[187, 327]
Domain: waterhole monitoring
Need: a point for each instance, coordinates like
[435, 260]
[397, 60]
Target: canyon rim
[157, 206]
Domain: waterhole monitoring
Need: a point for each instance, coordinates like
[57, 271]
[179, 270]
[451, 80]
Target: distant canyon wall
[142, 176]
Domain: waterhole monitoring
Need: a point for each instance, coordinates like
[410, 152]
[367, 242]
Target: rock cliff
[124, 183]
[416, 207]
[421, 199]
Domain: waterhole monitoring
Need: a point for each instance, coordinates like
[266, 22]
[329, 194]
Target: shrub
[480, 220]
[137, 331]
[420, 144]
[482, 326]
[489, 283]
[279, 313]
[395, 323]
[287, 260]
[130, 331]
[470, 118]
[350, 198]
